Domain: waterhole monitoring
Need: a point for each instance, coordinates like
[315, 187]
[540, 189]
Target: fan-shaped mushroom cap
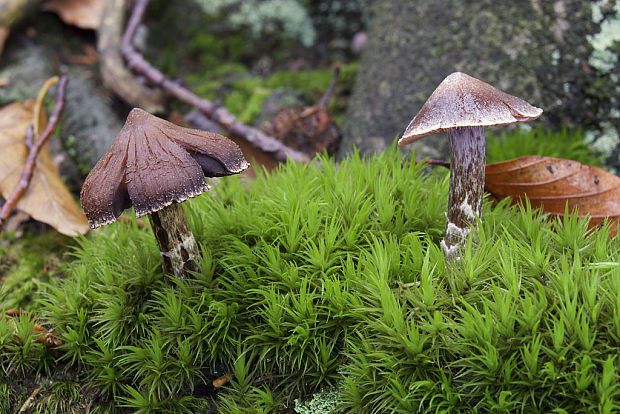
[463, 101]
[153, 163]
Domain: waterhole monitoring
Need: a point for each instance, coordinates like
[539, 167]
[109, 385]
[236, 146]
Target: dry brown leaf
[85, 14]
[47, 199]
[553, 183]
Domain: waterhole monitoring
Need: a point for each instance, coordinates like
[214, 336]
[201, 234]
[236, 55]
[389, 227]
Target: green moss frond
[330, 278]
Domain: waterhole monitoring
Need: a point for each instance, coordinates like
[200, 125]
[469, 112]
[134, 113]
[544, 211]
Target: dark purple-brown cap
[153, 163]
[463, 101]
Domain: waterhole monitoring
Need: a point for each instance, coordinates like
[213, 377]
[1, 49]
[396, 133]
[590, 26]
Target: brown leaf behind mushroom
[47, 199]
[309, 130]
[552, 183]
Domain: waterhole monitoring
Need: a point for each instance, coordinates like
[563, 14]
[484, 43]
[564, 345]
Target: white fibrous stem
[177, 246]
[467, 210]
[466, 187]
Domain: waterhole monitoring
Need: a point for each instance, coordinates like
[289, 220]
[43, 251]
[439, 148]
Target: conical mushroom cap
[153, 163]
[462, 101]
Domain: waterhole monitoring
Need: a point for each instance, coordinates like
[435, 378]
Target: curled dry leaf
[310, 130]
[85, 14]
[554, 183]
[47, 199]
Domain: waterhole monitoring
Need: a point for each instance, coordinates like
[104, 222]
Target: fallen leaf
[47, 199]
[44, 336]
[552, 184]
[85, 14]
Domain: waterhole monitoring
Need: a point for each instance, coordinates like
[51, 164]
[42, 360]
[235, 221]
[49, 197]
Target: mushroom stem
[177, 246]
[466, 187]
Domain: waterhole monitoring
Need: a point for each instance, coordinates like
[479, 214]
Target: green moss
[564, 143]
[244, 95]
[331, 277]
[25, 262]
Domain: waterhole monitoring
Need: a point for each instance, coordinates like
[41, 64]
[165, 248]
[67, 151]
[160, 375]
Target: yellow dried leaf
[47, 199]
[85, 14]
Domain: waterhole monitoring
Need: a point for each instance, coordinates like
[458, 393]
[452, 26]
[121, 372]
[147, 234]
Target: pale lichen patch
[467, 210]
[452, 229]
[450, 252]
[603, 58]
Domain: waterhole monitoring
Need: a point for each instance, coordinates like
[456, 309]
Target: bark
[466, 188]
[177, 246]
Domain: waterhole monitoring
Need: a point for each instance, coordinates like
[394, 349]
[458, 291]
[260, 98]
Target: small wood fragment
[221, 381]
[28, 404]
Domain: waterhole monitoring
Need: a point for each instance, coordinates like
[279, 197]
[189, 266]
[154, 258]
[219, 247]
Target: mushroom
[154, 165]
[462, 106]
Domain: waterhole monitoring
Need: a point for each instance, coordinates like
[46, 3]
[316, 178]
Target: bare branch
[431, 161]
[330, 89]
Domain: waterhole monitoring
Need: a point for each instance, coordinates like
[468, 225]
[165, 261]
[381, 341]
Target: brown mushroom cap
[463, 101]
[153, 163]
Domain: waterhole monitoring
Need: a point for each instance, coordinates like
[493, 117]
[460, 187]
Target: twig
[330, 89]
[431, 161]
[33, 152]
[138, 64]
[30, 401]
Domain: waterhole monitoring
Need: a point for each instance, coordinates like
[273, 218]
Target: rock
[26, 68]
[560, 55]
